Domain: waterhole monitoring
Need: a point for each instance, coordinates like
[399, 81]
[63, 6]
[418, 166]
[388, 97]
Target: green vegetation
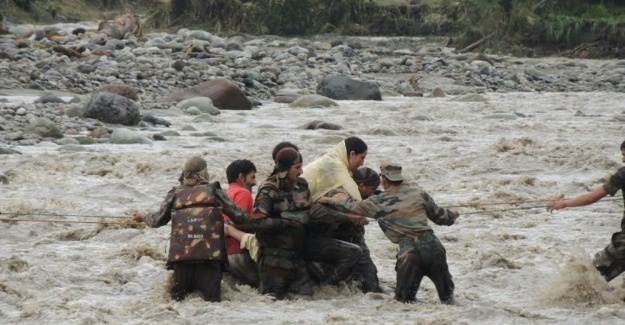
[517, 26]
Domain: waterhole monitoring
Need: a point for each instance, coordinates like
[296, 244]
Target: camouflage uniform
[197, 236]
[280, 264]
[402, 213]
[611, 260]
[318, 247]
[338, 227]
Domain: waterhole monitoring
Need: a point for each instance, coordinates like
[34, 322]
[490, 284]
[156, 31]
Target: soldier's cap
[391, 171]
[194, 164]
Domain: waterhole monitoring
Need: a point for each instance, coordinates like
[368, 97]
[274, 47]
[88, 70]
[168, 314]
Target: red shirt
[242, 197]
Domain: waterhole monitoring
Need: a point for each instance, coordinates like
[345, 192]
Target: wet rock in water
[286, 97]
[471, 98]
[154, 120]
[313, 101]
[125, 136]
[203, 104]
[67, 140]
[3, 178]
[85, 140]
[382, 130]
[8, 151]
[438, 92]
[49, 99]
[113, 108]
[224, 93]
[344, 88]
[193, 111]
[120, 89]
[158, 137]
[43, 127]
[204, 117]
[315, 125]
[170, 133]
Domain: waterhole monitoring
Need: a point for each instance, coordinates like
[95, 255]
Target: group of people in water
[306, 226]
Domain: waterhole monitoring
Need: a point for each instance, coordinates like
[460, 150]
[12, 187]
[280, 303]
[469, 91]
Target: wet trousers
[610, 262]
[419, 257]
[244, 269]
[282, 271]
[341, 255]
[203, 277]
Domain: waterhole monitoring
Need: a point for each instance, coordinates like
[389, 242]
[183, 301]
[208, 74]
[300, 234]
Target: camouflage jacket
[197, 227]
[615, 183]
[334, 223]
[402, 211]
[276, 195]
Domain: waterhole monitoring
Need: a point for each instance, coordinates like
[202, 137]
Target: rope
[477, 204]
[62, 215]
[74, 221]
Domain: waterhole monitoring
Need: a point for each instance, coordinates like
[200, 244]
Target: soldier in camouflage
[402, 212]
[197, 247]
[280, 265]
[610, 262]
[344, 229]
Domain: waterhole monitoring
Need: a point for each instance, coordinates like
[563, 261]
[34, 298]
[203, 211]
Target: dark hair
[280, 146]
[623, 145]
[239, 166]
[367, 176]
[393, 183]
[356, 145]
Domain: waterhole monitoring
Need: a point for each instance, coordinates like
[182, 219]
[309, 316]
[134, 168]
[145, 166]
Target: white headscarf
[329, 172]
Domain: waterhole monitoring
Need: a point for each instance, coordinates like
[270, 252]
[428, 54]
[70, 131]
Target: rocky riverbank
[71, 60]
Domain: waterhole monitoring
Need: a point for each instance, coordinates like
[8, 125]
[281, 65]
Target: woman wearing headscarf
[335, 168]
[280, 265]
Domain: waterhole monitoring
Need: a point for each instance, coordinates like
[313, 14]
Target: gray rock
[313, 101]
[49, 99]
[75, 110]
[125, 136]
[149, 118]
[85, 140]
[316, 125]
[344, 88]
[471, 98]
[8, 151]
[382, 130]
[112, 108]
[43, 127]
[204, 117]
[204, 104]
[193, 111]
[67, 140]
[3, 178]
[438, 92]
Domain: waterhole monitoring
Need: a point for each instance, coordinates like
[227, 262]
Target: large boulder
[224, 93]
[112, 108]
[344, 88]
[44, 128]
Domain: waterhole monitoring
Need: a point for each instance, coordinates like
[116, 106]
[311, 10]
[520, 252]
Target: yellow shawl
[329, 172]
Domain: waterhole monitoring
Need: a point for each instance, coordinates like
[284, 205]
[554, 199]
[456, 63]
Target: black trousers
[418, 258]
[204, 277]
[340, 255]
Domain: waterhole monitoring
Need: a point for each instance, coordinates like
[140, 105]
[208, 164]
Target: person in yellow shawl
[335, 169]
[332, 175]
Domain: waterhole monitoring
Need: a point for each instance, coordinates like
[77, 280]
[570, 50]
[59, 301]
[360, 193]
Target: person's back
[403, 212]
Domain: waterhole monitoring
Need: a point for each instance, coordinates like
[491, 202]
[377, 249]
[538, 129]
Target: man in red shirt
[241, 176]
